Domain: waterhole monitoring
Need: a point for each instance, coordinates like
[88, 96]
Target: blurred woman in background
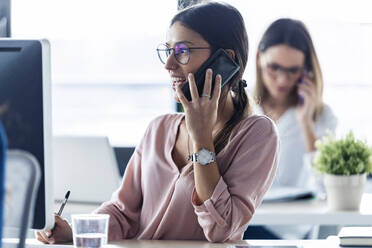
[289, 87]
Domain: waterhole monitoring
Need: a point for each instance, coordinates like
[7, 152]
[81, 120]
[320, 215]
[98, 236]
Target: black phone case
[301, 99]
[221, 63]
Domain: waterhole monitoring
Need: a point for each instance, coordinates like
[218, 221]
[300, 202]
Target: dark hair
[288, 32]
[292, 33]
[222, 26]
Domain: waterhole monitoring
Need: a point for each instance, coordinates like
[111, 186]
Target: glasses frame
[169, 50]
[282, 69]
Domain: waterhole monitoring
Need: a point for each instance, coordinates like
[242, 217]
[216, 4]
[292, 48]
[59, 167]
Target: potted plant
[345, 163]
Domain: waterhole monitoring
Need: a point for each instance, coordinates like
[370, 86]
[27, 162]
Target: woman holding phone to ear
[289, 88]
[198, 175]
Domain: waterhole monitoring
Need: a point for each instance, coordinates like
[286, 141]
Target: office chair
[3, 147]
[22, 177]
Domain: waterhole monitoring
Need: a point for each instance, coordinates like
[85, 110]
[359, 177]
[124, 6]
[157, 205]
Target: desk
[331, 242]
[312, 212]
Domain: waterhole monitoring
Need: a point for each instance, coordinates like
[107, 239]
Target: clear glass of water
[90, 230]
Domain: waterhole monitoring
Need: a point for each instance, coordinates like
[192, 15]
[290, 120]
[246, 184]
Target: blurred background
[107, 79]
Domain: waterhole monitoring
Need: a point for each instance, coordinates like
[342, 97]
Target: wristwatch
[203, 157]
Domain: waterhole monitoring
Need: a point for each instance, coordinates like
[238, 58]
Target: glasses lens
[163, 53]
[275, 70]
[294, 71]
[182, 53]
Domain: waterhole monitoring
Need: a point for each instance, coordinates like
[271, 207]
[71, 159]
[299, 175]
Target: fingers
[208, 82]
[193, 89]
[307, 88]
[307, 82]
[305, 97]
[306, 92]
[47, 237]
[310, 75]
[61, 232]
[40, 238]
[43, 236]
[61, 228]
[182, 98]
[58, 219]
[217, 88]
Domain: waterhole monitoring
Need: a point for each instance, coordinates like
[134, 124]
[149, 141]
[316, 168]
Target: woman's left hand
[201, 112]
[306, 110]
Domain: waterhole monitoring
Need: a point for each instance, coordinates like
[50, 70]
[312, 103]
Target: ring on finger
[206, 95]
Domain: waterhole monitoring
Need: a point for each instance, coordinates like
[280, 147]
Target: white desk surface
[313, 212]
[326, 243]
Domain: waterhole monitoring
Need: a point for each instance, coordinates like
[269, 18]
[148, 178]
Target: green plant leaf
[345, 156]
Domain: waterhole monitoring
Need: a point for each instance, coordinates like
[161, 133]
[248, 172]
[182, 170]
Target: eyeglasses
[180, 51]
[291, 72]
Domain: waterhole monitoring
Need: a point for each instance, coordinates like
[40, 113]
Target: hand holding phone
[305, 74]
[220, 63]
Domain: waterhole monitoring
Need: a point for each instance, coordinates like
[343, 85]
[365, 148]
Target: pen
[60, 211]
[63, 203]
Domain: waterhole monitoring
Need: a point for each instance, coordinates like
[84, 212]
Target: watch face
[205, 156]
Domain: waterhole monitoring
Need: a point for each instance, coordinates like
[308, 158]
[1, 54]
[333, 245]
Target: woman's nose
[282, 78]
[171, 63]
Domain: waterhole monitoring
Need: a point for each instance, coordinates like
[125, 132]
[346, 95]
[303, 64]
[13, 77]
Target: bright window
[107, 79]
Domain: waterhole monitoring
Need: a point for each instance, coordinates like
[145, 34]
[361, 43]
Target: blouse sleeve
[126, 202]
[225, 216]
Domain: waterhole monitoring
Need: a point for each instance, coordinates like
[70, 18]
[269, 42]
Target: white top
[294, 167]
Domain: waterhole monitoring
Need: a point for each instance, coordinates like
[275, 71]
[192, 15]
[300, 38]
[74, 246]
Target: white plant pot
[344, 192]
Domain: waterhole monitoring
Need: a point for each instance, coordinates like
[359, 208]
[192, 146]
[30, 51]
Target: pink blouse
[155, 199]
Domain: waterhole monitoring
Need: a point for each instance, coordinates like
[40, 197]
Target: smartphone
[305, 73]
[221, 63]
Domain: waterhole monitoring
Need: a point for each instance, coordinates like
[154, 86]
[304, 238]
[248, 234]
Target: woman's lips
[282, 89]
[177, 83]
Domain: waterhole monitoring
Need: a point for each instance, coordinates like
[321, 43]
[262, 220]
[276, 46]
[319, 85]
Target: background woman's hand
[62, 233]
[306, 110]
[201, 112]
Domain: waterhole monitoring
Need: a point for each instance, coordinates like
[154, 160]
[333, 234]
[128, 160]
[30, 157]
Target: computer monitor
[25, 111]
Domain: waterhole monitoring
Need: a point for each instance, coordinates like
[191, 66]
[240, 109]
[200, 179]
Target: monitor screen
[25, 111]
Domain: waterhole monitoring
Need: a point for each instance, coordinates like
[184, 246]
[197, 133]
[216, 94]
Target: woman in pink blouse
[165, 194]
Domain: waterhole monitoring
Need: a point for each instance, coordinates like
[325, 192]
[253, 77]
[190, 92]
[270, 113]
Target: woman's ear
[231, 52]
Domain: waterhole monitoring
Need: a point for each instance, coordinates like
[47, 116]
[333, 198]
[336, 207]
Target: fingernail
[209, 70]
[52, 241]
[190, 75]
